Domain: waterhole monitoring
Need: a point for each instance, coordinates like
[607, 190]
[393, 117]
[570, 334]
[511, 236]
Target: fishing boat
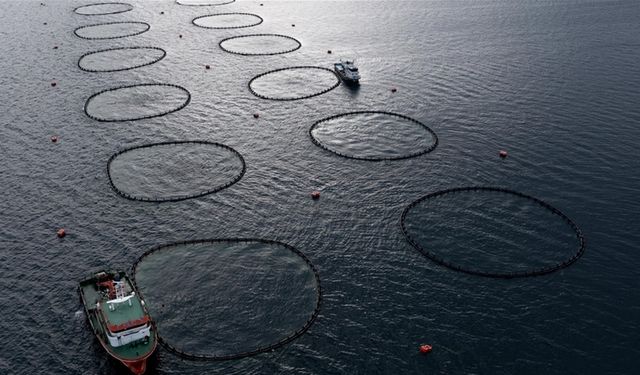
[119, 319]
[347, 71]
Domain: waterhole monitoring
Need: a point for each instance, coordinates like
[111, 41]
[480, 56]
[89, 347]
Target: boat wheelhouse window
[353, 69]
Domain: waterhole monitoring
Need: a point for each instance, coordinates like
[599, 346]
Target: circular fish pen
[119, 59]
[233, 20]
[136, 102]
[492, 232]
[101, 9]
[203, 3]
[174, 171]
[111, 30]
[225, 299]
[260, 44]
[293, 83]
[373, 136]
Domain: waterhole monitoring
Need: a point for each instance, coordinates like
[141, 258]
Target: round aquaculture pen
[120, 59]
[174, 171]
[260, 44]
[492, 232]
[373, 136]
[111, 30]
[234, 20]
[231, 298]
[203, 3]
[293, 83]
[101, 9]
[136, 102]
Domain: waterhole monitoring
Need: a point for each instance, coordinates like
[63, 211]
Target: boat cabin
[122, 313]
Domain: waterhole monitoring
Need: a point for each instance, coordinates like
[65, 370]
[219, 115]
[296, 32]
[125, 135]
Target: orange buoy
[207, 67]
[293, 25]
[425, 348]
[315, 195]
[162, 12]
[53, 84]
[503, 154]
[61, 233]
[256, 115]
[329, 52]
[55, 47]
[394, 89]
[54, 139]
[180, 35]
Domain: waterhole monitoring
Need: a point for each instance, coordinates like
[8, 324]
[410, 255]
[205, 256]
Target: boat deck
[120, 315]
[123, 312]
[91, 295]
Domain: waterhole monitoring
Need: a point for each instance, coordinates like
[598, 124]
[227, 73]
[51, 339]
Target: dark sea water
[555, 83]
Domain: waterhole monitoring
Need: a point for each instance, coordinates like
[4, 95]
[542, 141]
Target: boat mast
[120, 289]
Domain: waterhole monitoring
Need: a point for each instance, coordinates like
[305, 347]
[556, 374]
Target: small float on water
[347, 71]
[119, 319]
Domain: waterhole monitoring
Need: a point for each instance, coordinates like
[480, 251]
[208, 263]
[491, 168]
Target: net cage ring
[265, 349]
[216, 189]
[147, 27]
[498, 275]
[128, 9]
[157, 59]
[336, 84]
[393, 114]
[260, 20]
[297, 47]
[144, 117]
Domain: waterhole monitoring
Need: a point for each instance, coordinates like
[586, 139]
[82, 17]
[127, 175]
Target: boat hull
[137, 367]
[349, 79]
[345, 79]
[353, 82]
[136, 363]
